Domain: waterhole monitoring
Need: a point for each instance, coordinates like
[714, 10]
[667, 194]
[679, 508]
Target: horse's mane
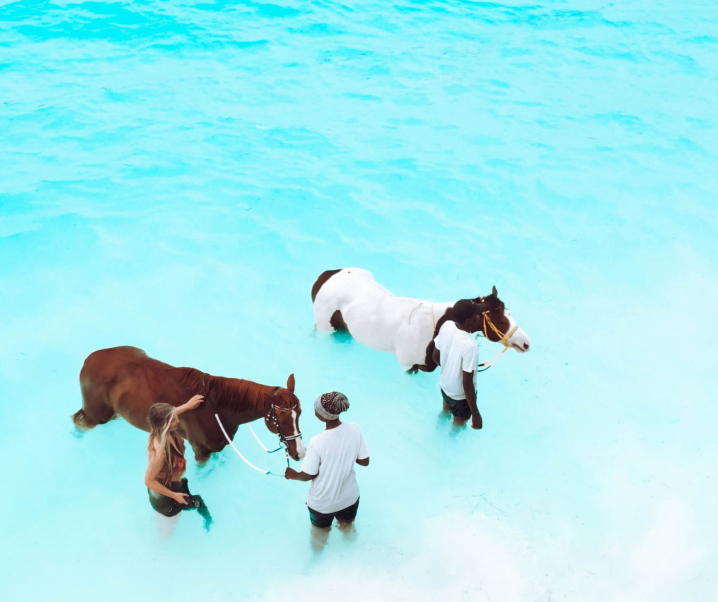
[229, 394]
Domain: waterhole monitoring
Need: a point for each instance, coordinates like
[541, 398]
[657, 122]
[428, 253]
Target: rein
[264, 447]
[236, 451]
[283, 439]
[504, 338]
[272, 413]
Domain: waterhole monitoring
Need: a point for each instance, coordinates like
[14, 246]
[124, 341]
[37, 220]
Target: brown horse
[124, 381]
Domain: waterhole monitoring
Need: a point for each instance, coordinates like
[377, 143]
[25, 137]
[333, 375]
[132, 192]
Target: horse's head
[283, 418]
[498, 324]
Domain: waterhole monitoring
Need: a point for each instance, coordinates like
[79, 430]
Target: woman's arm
[153, 469]
[190, 405]
[363, 461]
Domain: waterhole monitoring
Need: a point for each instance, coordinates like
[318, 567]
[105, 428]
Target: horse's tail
[95, 407]
[81, 420]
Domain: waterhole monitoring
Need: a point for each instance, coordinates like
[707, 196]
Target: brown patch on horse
[321, 280]
[337, 322]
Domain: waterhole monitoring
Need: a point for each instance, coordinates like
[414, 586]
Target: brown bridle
[272, 414]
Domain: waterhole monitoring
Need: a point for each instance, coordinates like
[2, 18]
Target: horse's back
[124, 380]
[99, 376]
[334, 291]
[346, 285]
[369, 312]
[109, 360]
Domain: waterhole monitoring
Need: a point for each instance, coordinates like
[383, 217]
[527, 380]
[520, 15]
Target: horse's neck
[239, 396]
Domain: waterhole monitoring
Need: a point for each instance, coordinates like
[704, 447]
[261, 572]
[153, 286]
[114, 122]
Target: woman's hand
[194, 402]
[180, 498]
[190, 405]
[290, 473]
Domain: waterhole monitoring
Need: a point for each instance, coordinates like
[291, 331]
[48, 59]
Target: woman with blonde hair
[168, 490]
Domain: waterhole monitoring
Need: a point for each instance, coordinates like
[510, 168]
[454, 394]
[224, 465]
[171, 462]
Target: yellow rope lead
[504, 338]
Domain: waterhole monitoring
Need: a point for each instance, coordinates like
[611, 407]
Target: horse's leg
[96, 408]
[338, 323]
[201, 453]
[423, 367]
[429, 364]
[202, 433]
[327, 315]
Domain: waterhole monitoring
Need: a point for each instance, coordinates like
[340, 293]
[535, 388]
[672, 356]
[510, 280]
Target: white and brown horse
[350, 299]
[124, 381]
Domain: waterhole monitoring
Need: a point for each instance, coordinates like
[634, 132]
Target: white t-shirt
[459, 354]
[331, 456]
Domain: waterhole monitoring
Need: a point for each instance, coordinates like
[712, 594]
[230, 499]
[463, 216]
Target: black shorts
[325, 520]
[459, 407]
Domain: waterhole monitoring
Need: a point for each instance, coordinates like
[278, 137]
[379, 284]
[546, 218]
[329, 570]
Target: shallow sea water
[175, 175]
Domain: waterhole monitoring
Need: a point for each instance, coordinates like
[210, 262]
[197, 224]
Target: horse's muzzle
[299, 451]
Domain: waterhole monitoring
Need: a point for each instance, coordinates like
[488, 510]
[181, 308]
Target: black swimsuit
[169, 507]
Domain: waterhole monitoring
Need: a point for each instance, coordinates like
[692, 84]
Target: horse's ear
[290, 383]
[494, 292]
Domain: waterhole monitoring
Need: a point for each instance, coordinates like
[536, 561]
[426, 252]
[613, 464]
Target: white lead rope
[483, 366]
[236, 451]
[257, 438]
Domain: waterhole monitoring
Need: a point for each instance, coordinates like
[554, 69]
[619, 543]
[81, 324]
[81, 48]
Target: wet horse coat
[350, 299]
[124, 381]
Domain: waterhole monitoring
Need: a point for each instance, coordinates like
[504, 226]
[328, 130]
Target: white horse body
[380, 320]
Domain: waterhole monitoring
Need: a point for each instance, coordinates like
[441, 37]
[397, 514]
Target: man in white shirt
[329, 465]
[458, 355]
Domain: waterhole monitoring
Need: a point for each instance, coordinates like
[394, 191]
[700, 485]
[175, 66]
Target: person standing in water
[329, 465]
[457, 353]
[167, 488]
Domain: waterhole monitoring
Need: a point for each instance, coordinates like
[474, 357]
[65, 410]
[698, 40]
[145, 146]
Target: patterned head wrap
[330, 405]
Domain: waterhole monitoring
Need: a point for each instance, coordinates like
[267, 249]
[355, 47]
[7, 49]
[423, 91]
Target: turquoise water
[175, 175]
